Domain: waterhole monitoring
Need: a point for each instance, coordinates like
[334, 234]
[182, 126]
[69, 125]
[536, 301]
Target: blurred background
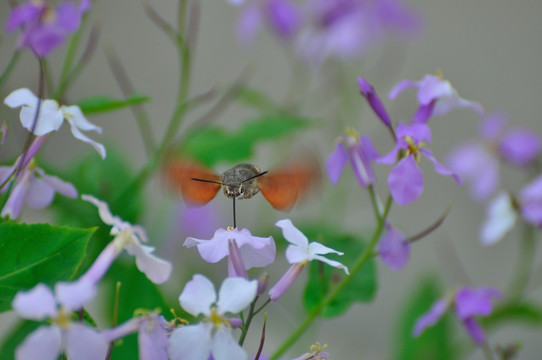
[489, 50]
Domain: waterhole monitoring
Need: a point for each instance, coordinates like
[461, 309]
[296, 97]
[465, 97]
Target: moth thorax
[235, 183]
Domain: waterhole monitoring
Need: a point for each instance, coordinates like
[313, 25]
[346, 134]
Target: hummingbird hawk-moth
[282, 187]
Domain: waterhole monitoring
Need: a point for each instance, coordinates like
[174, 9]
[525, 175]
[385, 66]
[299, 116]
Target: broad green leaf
[30, 254]
[100, 103]
[523, 313]
[15, 337]
[434, 342]
[323, 278]
[213, 144]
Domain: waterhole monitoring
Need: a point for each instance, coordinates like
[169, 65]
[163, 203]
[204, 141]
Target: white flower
[501, 218]
[213, 335]
[130, 237]
[51, 117]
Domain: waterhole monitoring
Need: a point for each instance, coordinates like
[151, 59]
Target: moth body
[240, 182]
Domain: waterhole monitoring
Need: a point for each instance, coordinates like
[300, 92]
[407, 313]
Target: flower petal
[471, 302]
[439, 168]
[79, 135]
[475, 330]
[198, 295]
[103, 210]
[152, 339]
[224, 346]
[37, 303]
[292, 234]
[333, 263]
[21, 97]
[50, 117]
[520, 146]
[405, 181]
[40, 194]
[431, 317]
[62, 187]
[74, 115]
[394, 249]
[235, 294]
[191, 342]
[336, 162]
[500, 219]
[75, 295]
[400, 87]
[84, 343]
[44, 344]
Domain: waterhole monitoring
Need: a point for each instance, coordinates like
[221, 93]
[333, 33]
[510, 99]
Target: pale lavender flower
[255, 251]
[501, 217]
[436, 96]
[76, 340]
[359, 151]
[347, 29]
[44, 27]
[406, 179]
[212, 336]
[469, 303]
[394, 248]
[531, 202]
[520, 146]
[129, 237]
[299, 253]
[32, 186]
[51, 117]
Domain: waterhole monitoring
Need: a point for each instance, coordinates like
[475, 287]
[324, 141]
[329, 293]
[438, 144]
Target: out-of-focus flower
[281, 16]
[255, 251]
[32, 186]
[211, 337]
[468, 303]
[359, 151]
[531, 202]
[436, 96]
[347, 29]
[316, 353]
[44, 27]
[394, 248]
[129, 237]
[406, 179]
[500, 219]
[299, 253]
[76, 340]
[374, 101]
[51, 117]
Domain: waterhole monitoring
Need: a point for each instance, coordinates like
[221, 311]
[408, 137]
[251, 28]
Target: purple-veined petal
[80, 136]
[292, 234]
[500, 219]
[44, 343]
[157, 270]
[74, 295]
[336, 162]
[520, 146]
[439, 168]
[37, 303]
[405, 181]
[374, 101]
[431, 317]
[475, 330]
[152, 339]
[235, 294]
[224, 346]
[84, 343]
[394, 249]
[400, 87]
[286, 281]
[191, 342]
[198, 295]
[475, 302]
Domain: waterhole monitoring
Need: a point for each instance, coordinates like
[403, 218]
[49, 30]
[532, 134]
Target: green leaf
[434, 342]
[15, 337]
[213, 144]
[30, 254]
[102, 103]
[256, 99]
[322, 277]
[523, 313]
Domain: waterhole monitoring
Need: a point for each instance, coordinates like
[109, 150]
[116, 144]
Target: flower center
[217, 320]
[413, 148]
[63, 318]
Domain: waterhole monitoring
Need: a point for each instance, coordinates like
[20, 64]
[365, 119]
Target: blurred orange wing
[282, 188]
[179, 174]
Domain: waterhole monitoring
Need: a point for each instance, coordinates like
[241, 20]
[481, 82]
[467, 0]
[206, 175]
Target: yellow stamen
[351, 132]
[217, 320]
[230, 228]
[62, 319]
[413, 148]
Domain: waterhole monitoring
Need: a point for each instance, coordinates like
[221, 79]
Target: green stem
[246, 325]
[525, 263]
[374, 201]
[364, 257]
[70, 53]
[10, 67]
[487, 351]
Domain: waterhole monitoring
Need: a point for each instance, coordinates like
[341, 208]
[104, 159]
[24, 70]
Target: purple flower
[531, 202]
[520, 146]
[43, 28]
[469, 303]
[32, 186]
[281, 16]
[255, 251]
[394, 248]
[359, 151]
[213, 335]
[406, 179]
[76, 340]
[374, 101]
[436, 96]
[347, 29]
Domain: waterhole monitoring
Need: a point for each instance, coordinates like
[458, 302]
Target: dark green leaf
[523, 313]
[435, 342]
[30, 254]
[15, 337]
[101, 103]
[322, 277]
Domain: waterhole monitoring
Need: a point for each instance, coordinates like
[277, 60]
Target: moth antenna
[207, 181]
[255, 176]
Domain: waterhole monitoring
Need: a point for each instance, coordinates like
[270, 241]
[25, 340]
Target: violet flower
[469, 303]
[75, 339]
[51, 117]
[129, 237]
[212, 336]
[255, 251]
[44, 27]
[359, 151]
[406, 179]
[374, 101]
[394, 248]
[436, 96]
[530, 200]
[299, 253]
